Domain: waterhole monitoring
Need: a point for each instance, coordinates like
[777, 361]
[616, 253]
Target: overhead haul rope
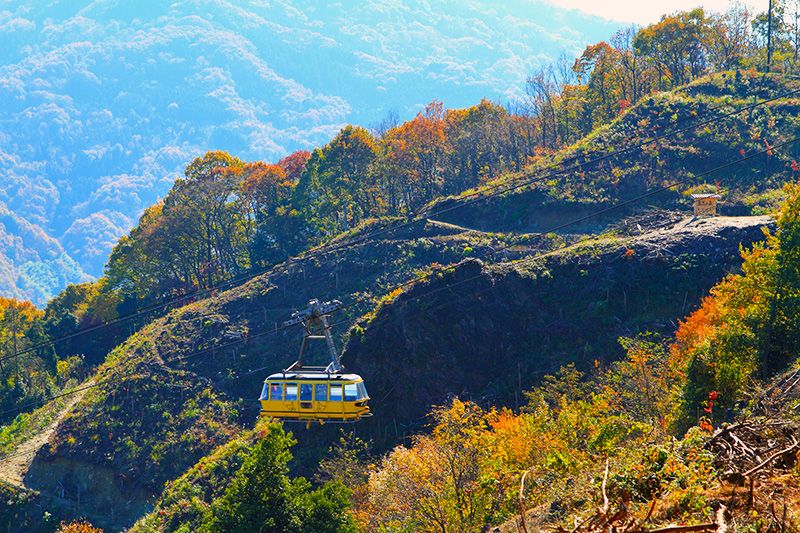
[43, 401]
[477, 196]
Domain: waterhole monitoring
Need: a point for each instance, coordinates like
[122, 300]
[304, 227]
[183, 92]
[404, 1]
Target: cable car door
[306, 403]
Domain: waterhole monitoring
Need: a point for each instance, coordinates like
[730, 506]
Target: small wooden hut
[705, 205]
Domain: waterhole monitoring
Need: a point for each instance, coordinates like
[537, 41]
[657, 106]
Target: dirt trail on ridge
[14, 467]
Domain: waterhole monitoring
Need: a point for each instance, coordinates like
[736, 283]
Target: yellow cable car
[314, 396]
[308, 393]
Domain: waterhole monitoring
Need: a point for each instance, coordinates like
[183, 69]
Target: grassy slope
[506, 328]
[183, 502]
[156, 414]
[151, 428]
[746, 187]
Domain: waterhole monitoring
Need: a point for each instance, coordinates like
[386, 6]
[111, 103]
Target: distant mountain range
[102, 103]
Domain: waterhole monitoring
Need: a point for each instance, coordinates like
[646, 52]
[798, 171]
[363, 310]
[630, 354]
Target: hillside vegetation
[631, 415]
[465, 246]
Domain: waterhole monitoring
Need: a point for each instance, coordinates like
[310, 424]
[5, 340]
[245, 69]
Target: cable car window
[291, 392]
[336, 393]
[321, 392]
[362, 391]
[265, 392]
[305, 392]
[276, 391]
[350, 392]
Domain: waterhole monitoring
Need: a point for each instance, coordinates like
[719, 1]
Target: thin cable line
[478, 196]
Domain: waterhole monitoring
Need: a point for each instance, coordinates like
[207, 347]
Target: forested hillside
[525, 292]
[104, 102]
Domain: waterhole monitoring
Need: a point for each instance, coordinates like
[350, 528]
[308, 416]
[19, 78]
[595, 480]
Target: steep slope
[103, 102]
[14, 469]
[158, 413]
[507, 325]
[185, 384]
[494, 342]
[171, 394]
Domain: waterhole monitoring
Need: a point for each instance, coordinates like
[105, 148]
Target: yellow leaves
[79, 526]
[407, 487]
[459, 420]
[438, 483]
[23, 311]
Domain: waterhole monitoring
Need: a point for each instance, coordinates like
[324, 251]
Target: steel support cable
[478, 196]
[578, 242]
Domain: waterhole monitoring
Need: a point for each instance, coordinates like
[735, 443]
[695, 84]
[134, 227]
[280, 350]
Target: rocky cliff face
[488, 331]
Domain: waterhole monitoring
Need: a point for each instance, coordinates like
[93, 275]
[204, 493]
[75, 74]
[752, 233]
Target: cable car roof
[312, 376]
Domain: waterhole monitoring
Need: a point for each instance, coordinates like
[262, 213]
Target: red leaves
[712, 396]
[294, 164]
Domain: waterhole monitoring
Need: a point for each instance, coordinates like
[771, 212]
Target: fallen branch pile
[620, 521]
[754, 447]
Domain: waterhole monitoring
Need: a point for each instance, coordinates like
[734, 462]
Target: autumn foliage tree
[467, 473]
[78, 526]
[28, 371]
[226, 218]
[436, 484]
[748, 327]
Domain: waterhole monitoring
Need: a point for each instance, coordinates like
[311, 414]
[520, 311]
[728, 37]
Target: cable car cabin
[310, 396]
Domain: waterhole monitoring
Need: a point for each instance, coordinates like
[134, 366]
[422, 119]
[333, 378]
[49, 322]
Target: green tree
[262, 498]
[338, 188]
[750, 325]
[194, 238]
[259, 497]
[202, 219]
[601, 63]
[264, 189]
[478, 141]
[678, 44]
